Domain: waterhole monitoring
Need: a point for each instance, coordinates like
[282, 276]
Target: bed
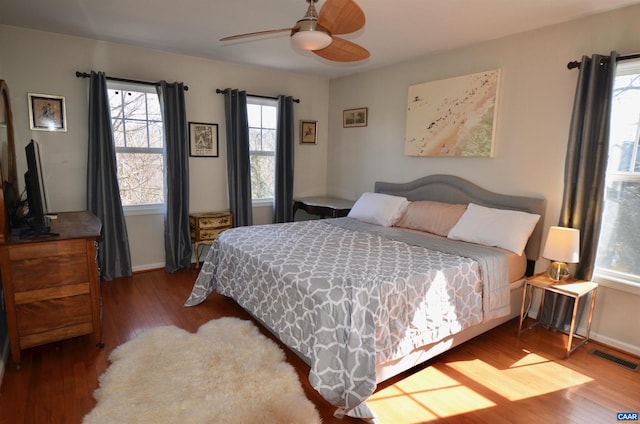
[363, 298]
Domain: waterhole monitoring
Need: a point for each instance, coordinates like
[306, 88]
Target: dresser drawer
[206, 226]
[44, 272]
[47, 249]
[214, 222]
[46, 315]
[210, 234]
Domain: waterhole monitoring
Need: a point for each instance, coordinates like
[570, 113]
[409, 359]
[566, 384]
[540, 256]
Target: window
[263, 118]
[617, 257]
[138, 134]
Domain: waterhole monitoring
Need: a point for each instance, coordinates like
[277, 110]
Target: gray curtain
[103, 192]
[587, 153]
[177, 236]
[585, 169]
[238, 164]
[283, 202]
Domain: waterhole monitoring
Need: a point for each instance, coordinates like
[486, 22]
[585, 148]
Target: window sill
[611, 282]
[144, 210]
[260, 203]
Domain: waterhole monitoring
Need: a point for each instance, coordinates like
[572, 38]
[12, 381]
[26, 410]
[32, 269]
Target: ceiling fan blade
[341, 16]
[341, 50]
[254, 34]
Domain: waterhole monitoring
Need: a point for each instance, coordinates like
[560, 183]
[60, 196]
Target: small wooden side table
[574, 288]
[205, 227]
[333, 207]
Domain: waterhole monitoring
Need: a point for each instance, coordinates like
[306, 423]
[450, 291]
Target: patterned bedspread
[346, 295]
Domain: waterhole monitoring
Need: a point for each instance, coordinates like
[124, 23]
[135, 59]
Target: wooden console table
[333, 207]
[51, 284]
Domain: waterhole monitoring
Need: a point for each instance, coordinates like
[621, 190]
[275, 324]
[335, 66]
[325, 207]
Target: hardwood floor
[494, 378]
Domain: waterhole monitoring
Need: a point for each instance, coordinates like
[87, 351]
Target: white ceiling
[396, 30]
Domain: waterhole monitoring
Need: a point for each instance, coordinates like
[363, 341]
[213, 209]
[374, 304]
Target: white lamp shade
[311, 40]
[562, 245]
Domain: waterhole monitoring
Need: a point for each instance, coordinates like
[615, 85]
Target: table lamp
[562, 247]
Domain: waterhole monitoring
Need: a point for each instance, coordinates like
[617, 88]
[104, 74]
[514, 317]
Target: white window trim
[131, 86]
[262, 202]
[154, 209]
[616, 281]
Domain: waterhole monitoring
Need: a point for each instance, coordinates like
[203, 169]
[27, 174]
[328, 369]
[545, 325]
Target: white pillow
[378, 208]
[495, 227]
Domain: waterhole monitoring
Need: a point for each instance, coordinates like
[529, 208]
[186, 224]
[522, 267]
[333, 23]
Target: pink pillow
[432, 217]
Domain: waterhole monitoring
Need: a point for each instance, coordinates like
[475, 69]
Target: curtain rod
[219, 91]
[86, 75]
[575, 64]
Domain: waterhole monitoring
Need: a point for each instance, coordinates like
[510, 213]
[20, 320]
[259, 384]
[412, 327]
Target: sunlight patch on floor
[431, 393]
[521, 380]
[425, 396]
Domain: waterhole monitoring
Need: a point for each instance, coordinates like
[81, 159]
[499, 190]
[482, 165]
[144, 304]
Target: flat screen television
[37, 219]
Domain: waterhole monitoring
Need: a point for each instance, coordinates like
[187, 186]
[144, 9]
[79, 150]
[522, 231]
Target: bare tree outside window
[138, 136]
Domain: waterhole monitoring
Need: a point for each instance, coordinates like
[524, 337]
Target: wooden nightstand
[574, 288]
[205, 227]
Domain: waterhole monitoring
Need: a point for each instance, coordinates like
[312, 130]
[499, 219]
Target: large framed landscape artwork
[453, 117]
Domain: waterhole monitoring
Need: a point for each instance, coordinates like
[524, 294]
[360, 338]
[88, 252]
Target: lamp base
[558, 271]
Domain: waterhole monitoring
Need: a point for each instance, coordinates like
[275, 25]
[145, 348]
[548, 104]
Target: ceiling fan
[316, 32]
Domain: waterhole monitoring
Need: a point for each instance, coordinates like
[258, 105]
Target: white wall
[533, 116]
[46, 63]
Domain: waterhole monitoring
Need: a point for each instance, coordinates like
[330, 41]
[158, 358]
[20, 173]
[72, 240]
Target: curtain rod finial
[573, 64]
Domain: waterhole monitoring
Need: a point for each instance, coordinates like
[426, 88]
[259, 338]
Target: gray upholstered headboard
[452, 189]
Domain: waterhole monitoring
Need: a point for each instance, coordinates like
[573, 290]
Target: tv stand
[51, 284]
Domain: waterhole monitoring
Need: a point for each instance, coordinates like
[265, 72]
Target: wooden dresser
[205, 227]
[51, 285]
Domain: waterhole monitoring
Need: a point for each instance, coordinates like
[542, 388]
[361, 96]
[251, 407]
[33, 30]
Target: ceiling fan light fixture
[311, 40]
[308, 35]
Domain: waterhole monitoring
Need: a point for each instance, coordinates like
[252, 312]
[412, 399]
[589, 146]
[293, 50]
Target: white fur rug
[227, 372]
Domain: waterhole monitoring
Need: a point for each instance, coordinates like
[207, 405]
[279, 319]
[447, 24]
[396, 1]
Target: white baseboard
[147, 267]
[582, 329]
[626, 347]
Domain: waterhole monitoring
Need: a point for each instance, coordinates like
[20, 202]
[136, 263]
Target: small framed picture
[308, 132]
[355, 117]
[47, 112]
[203, 139]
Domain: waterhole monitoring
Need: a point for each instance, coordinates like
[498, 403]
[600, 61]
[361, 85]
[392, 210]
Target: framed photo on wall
[308, 132]
[203, 139]
[355, 117]
[47, 112]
